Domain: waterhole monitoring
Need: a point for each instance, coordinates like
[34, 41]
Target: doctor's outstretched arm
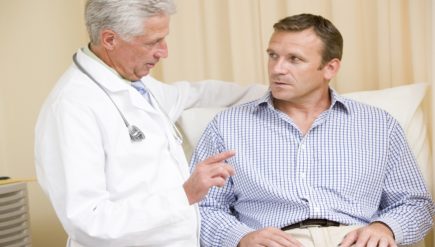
[211, 172]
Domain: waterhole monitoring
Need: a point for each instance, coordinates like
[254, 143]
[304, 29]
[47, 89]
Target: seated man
[312, 168]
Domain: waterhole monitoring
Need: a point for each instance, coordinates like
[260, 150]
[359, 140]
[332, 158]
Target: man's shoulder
[357, 106]
[240, 110]
[365, 111]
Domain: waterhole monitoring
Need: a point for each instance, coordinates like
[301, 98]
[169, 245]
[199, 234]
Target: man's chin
[281, 94]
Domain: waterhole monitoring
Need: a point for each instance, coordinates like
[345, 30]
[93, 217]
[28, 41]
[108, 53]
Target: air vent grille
[14, 218]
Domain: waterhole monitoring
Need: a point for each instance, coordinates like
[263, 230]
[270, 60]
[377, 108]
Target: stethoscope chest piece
[136, 135]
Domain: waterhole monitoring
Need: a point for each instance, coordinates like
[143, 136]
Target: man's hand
[374, 235]
[270, 237]
[210, 172]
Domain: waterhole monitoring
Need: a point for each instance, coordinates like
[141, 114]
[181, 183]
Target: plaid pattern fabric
[353, 166]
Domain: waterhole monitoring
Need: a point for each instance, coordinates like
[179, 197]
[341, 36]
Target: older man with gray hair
[108, 154]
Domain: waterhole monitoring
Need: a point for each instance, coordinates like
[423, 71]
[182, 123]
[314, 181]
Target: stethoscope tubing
[136, 135]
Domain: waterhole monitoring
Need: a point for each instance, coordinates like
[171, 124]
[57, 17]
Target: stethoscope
[136, 135]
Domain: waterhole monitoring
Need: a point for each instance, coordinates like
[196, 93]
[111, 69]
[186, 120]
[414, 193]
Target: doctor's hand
[211, 172]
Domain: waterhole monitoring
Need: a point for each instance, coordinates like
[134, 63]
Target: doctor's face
[133, 59]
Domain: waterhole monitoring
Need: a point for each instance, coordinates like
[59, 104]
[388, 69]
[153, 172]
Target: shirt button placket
[302, 165]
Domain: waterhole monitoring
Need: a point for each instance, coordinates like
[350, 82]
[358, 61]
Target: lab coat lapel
[118, 89]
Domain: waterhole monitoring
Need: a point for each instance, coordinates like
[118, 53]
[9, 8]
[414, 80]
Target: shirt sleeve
[219, 226]
[406, 204]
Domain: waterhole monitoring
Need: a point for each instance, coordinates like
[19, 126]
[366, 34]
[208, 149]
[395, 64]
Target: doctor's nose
[161, 50]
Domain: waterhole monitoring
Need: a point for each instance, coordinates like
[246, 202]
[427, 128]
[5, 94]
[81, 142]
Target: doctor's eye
[154, 42]
[272, 55]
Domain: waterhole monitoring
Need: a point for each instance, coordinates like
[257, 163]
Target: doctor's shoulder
[75, 88]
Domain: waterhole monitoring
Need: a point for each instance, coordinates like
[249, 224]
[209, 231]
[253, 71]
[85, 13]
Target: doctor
[110, 158]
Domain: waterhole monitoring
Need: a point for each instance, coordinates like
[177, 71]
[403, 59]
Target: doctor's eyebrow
[154, 41]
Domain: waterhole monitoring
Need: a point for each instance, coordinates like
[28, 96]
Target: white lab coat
[105, 189]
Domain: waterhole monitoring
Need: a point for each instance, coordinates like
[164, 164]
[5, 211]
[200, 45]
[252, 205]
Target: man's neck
[304, 112]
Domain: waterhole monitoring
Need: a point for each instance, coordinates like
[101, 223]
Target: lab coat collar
[112, 82]
[107, 78]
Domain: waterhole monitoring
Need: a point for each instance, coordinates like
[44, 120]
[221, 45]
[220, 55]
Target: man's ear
[108, 39]
[331, 68]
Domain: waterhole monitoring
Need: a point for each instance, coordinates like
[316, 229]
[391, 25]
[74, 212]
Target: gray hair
[125, 17]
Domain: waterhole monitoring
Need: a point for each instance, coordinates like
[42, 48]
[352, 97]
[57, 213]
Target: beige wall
[37, 41]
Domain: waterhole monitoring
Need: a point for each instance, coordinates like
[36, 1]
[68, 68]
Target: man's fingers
[220, 157]
[287, 238]
[384, 243]
[269, 237]
[369, 236]
[286, 241]
[349, 239]
[272, 236]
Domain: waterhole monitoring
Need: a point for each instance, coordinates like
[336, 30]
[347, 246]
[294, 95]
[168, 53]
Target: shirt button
[303, 146]
[303, 175]
[316, 209]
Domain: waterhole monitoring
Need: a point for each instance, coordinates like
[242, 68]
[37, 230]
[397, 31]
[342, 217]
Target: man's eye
[294, 59]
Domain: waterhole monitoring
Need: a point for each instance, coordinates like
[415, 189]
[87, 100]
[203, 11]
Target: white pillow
[403, 103]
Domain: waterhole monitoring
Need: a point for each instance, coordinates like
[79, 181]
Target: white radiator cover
[14, 216]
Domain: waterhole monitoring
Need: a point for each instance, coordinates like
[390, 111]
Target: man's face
[295, 71]
[135, 58]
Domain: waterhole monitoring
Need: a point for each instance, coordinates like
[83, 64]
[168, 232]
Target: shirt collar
[336, 100]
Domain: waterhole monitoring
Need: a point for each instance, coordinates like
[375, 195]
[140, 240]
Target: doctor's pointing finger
[211, 172]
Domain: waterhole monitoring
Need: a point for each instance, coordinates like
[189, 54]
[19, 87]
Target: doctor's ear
[108, 39]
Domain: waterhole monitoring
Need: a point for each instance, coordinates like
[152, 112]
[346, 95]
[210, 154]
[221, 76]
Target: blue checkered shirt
[353, 166]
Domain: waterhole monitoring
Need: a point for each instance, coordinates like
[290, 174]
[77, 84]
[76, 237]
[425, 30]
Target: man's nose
[279, 67]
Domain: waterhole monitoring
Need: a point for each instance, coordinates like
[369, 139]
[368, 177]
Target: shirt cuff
[394, 226]
[236, 234]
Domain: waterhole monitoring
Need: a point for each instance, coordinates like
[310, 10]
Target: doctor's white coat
[105, 189]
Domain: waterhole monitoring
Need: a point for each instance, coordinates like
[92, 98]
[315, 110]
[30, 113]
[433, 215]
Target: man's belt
[311, 223]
